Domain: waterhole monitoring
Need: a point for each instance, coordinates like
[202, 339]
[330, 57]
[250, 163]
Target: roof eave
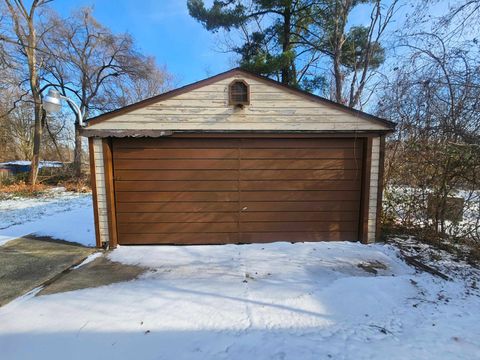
[105, 133]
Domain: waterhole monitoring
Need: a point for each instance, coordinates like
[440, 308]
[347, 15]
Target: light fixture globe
[52, 102]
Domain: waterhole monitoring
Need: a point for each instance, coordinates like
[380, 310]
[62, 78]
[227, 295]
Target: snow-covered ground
[59, 214]
[265, 301]
[274, 301]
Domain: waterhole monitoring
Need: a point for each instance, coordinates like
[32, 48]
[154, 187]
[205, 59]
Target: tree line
[79, 57]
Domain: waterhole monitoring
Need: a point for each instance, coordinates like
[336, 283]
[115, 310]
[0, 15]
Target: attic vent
[238, 92]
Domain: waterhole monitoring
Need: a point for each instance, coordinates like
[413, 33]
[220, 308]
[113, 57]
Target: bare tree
[123, 91]
[88, 61]
[4, 56]
[24, 28]
[435, 153]
[356, 51]
[463, 15]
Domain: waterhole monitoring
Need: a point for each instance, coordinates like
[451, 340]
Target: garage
[210, 191]
[208, 164]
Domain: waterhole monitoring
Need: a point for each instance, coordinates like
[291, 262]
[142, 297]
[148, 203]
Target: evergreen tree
[270, 28]
[290, 40]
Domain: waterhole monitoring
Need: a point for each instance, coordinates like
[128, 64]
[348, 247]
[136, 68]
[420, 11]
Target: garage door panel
[149, 196]
[306, 195]
[299, 185]
[177, 185]
[292, 143]
[298, 206]
[176, 207]
[197, 164]
[177, 174]
[172, 143]
[277, 164]
[300, 175]
[262, 216]
[184, 217]
[180, 238]
[176, 154]
[281, 226]
[162, 228]
[265, 237]
[328, 153]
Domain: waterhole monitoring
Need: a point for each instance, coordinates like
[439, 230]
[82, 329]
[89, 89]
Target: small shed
[236, 158]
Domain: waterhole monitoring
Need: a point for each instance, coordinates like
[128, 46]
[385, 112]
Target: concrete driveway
[52, 267]
[29, 262]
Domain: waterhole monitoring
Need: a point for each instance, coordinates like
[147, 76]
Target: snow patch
[41, 164]
[58, 214]
[88, 260]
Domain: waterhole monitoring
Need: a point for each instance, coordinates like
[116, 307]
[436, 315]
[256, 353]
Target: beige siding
[372, 208]
[206, 108]
[101, 195]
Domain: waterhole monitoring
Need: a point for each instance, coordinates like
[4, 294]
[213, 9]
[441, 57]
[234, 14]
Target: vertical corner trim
[93, 184]
[110, 191]
[365, 196]
[381, 169]
[374, 191]
[101, 221]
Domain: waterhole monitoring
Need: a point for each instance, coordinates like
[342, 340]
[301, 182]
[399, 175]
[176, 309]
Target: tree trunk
[342, 9]
[337, 62]
[286, 70]
[37, 99]
[337, 73]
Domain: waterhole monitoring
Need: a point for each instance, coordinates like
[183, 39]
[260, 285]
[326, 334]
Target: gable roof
[238, 71]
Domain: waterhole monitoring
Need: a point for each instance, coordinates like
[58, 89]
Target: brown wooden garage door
[217, 190]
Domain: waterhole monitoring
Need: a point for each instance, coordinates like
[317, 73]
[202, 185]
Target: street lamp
[52, 103]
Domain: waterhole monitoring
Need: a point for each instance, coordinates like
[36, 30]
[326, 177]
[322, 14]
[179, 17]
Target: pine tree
[270, 50]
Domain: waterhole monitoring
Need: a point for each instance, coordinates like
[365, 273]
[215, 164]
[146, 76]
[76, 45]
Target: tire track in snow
[248, 310]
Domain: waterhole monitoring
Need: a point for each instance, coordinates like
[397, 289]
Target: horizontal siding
[234, 227]
[225, 175]
[247, 185]
[226, 196]
[233, 154]
[232, 238]
[372, 202]
[101, 193]
[231, 216]
[235, 143]
[246, 206]
[207, 108]
[230, 164]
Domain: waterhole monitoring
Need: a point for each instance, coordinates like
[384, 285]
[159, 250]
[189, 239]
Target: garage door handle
[244, 208]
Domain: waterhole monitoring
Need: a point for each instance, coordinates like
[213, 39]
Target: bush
[21, 189]
[433, 190]
[47, 177]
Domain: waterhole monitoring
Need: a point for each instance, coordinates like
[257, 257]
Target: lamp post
[52, 103]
